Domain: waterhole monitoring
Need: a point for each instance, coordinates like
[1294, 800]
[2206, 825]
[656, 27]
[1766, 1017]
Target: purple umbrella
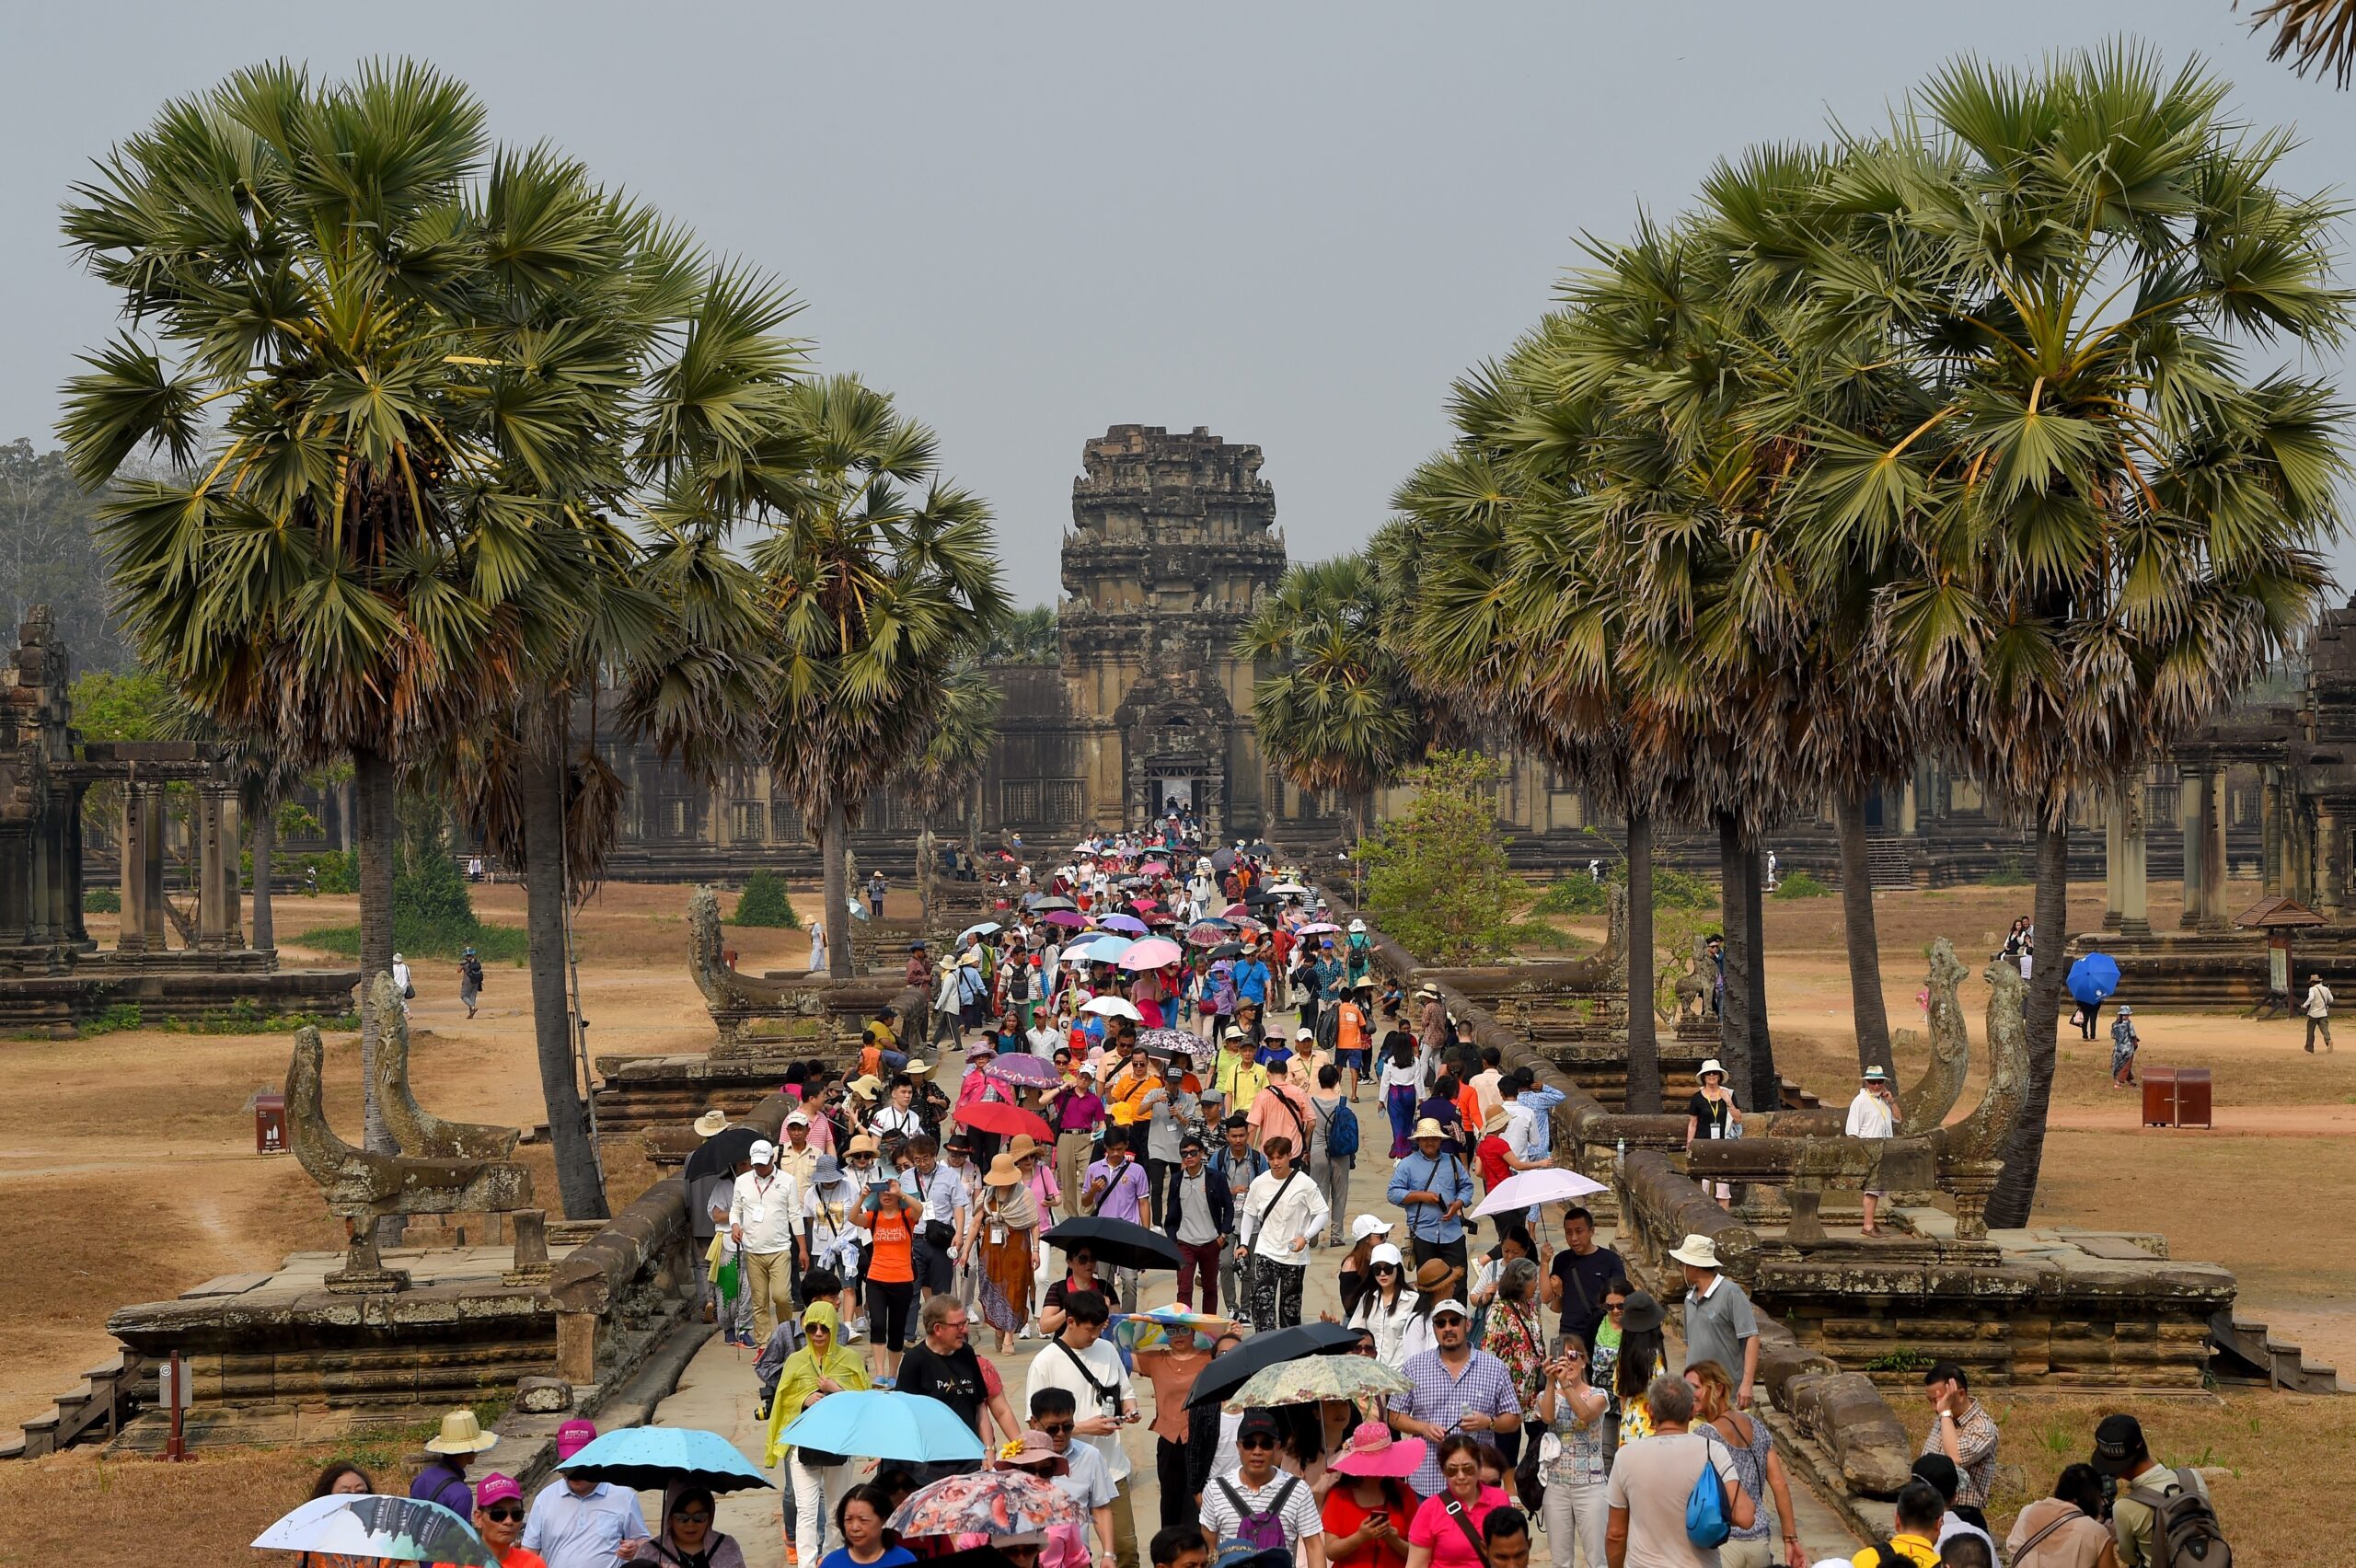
[1067, 917]
[1129, 923]
[1025, 1070]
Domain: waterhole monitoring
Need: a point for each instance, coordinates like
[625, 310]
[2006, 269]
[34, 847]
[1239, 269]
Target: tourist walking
[1579, 1278]
[1446, 1530]
[403, 986]
[1654, 1477]
[1388, 1306]
[1172, 1367]
[499, 1516]
[1082, 1364]
[1258, 1503]
[1197, 1213]
[817, 946]
[1514, 1330]
[764, 1214]
[1401, 1082]
[1077, 1470]
[582, 1524]
[469, 979]
[889, 1216]
[1283, 1213]
[1962, 1429]
[1573, 1408]
[2125, 1043]
[687, 1535]
[1453, 1388]
[1434, 1186]
[1719, 1324]
[2064, 1530]
[2146, 1487]
[2317, 1008]
[1115, 1187]
[945, 1208]
[1873, 1115]
[833, 1238]
[1006, 1234]
[1755, 1462]
[443, 1478]
[1641, 1357]
[1333, 1147]
[1237, 1164]
[943, 1365]
[1366, 1513]
[1711, 1113]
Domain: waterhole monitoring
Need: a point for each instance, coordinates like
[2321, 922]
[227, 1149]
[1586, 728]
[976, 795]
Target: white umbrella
[1294, 889]
[1525, 1189]
[1112, 1007]
[983, 928]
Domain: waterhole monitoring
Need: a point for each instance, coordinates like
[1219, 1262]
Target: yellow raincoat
[799, 1378]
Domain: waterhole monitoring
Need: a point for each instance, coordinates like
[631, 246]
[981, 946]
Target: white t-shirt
[1301, 1517]
[1652, 1478]
[1052, 1369]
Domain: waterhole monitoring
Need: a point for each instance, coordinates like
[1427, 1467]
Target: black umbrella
[1258, 896]
[1116, 1243]
[721, 1153]
[1232, 1371]
[1222, 858]
[1227, 950]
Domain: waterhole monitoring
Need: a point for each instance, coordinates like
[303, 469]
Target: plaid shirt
[1975, 1439]
[1444, 1397]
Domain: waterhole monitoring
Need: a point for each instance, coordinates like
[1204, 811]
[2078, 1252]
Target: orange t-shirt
[893, 1259]
[1468, 1105]
[1349, 1035]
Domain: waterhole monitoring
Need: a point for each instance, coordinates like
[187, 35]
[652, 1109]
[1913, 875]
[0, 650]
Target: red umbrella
[991, 1116]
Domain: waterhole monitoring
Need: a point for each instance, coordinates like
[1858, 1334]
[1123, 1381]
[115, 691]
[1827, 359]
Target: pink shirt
[1446, 1537]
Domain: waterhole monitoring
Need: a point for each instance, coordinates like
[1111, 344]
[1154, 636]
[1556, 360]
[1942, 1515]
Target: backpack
[2185, 1531]
[1342, 1133]
[1261, 1532]
[1706, 1524]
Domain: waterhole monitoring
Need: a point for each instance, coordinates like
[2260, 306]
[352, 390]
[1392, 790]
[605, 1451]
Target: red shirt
[1344, 1517]
[1491, 1152]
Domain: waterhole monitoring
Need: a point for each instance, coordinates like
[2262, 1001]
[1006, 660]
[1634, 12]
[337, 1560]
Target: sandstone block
[543, 1396]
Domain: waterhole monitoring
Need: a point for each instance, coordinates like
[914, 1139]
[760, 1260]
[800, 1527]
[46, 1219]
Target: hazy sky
[1291, 223]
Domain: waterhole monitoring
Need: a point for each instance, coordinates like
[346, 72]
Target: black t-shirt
[1585, 1282]
[1060, 1292]
[1709, 1115]
[954, 1379]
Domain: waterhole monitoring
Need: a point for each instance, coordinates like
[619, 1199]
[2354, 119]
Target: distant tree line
[48, 555]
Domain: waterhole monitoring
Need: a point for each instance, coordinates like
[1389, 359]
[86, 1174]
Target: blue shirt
[1446, 1174]
[582, 1532]
[1252, 981]
[894, 1557]
[1541, 1102]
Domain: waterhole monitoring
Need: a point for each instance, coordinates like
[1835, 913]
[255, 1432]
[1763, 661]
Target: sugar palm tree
[1338, 711]
[2318, 35]
[955, 755]
[878, 577]
[2114, 522]
[331, 566]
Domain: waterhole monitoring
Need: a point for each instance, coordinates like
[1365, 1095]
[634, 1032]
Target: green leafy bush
[764, 903]
[101, 901]
[1674, 889]
[1540, 935]
[339, 869]
[121, 1016]
[1799, 885]
[1437, 876]
[2008, 873]
[1579, 895]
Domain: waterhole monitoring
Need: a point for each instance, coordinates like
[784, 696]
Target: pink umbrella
[1151, 953]
[1067, 917]
[1236, 911]
[1153, 868]
[1319, 929]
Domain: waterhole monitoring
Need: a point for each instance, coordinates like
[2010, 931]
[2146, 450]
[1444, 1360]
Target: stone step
[2244, 1351]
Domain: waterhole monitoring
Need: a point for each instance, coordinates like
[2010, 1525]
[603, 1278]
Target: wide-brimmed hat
[827, 1172]
[1357, 926]
[866, 1086]
[1640, 1313]
[2126, 1011]
[1024, 1146]
[1429, 1127]
[1874, 1074]
[1433, 1274]
[918, 1067]
[1427, 993]
[1495, 1121]
[1711, 1065]
[1372, 1450]
[1368, 1224]
[862, 1144]
[1003, 1171]
[461, 1434]
[1696, 1249]
[710, 1121]
[1033, 1447]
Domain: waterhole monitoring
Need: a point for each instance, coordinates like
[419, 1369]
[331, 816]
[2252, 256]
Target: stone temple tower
[1174, 539]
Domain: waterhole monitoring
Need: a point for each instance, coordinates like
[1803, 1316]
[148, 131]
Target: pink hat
[1372, 1452]
[497, 1488]
[573, 1437]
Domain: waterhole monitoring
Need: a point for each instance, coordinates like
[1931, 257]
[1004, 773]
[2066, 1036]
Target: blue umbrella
[979, 929]
[1108, 949]
[647, 1458]
[2093, 977]
[879, 1423]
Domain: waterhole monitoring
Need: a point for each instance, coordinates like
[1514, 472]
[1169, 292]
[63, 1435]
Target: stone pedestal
[531, 1248]
[364, 1272]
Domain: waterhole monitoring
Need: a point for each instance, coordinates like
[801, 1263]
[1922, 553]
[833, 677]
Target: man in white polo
[1873, 1115]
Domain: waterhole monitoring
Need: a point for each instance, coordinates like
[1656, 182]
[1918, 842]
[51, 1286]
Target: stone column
[2134, 913]
[142, 868]
[15, 882]
[2114, 835]
[219, 923]
[1906, 810]
[2213, 863]
[77, 931]
[2326, 861]
[2272, 879]
[2192, 813]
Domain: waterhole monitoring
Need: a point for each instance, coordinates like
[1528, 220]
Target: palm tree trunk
[377, 837]
[541, 787]
[1643, 1047]
[1734, 1007]
[1766, 1087]
[835, 850]
[1864, 945]
[265, 850]
[2015, 1194]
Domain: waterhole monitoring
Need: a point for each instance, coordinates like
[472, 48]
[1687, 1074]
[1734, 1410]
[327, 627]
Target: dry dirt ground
[127, 1171]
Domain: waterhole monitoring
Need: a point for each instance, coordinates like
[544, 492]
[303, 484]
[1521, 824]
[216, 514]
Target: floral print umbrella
[1316, 1378]
[991, 1502]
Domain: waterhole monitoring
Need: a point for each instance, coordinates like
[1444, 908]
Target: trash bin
[2176, 1097]
[270, 1124]
[2159, 1097]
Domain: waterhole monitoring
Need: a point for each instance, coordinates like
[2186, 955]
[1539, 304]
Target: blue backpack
[1342, 1132]
[1706, 1524]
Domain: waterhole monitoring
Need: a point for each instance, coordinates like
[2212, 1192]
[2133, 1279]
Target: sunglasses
[1386, 1268]
[1459, 1470]
[1057, 1428]
[1255, 1442]
[1613, 1306]
[698, 1517]
[505, 1512]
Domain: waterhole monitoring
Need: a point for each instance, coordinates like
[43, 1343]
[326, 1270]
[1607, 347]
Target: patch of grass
[1579, 895]
[1901, 1360]
[1539, 934]
[101, 901]
[2008, 873]
[120, 1017]
[764, 903]
[243, 1018]
[492, 944]
[1799, 885]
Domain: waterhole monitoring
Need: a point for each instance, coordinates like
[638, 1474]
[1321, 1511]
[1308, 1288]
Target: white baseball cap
[1385, 1252]
[1304, 1034]
[797, 1118]
[1368, 1224]
[763, 1151]
[1452, 1305]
